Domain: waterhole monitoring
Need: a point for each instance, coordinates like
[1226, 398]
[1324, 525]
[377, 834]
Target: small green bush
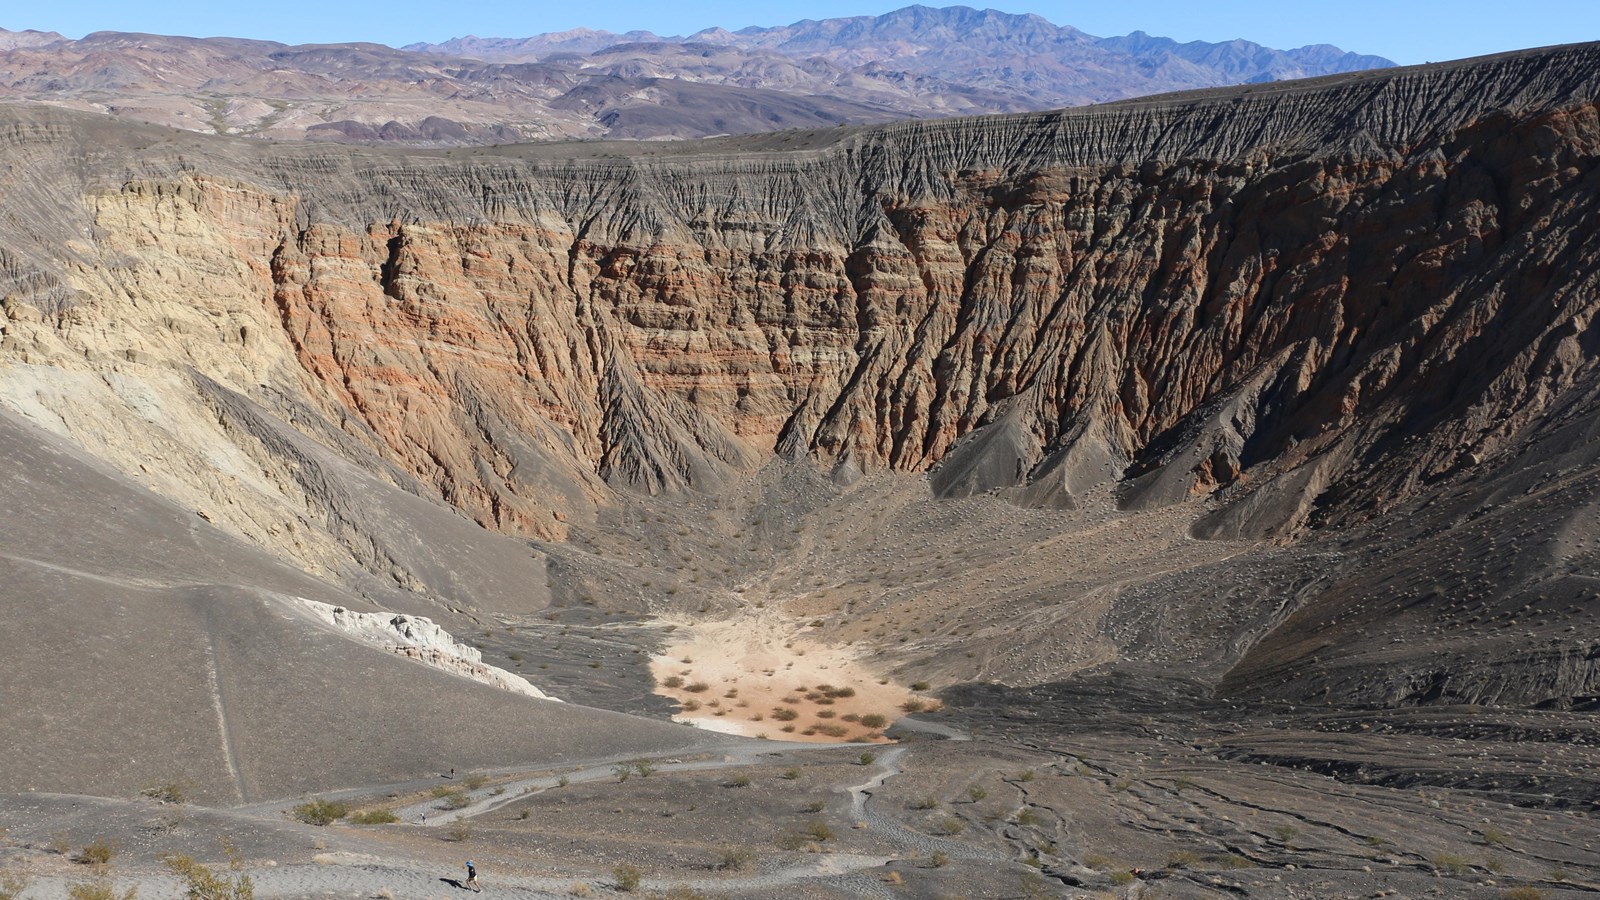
[865, 759]
[734, 859]
[99, 888]
[200, 883]
[874, 720]
[818, 830]
[790, 774]
[164, 793]
[375, 817]
[98, 852]
[626, 877]
[13, 882]
[455, 800]
[320, 812]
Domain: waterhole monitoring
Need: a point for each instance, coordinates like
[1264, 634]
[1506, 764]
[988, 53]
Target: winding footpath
[344, 874]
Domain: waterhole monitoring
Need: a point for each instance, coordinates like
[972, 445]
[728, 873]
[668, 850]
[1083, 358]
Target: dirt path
[348, 874]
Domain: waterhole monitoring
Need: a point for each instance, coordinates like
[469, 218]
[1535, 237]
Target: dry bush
[13, 882]
[320, 812]
[626, 877]
[98, 852]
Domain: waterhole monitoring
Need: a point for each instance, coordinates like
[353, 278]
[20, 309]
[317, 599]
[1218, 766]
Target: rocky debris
[418, 638]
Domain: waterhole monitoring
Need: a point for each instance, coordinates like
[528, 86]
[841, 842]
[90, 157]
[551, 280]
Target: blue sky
[1404, 30]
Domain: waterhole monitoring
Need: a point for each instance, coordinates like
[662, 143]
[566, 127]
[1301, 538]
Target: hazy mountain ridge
[915, 62]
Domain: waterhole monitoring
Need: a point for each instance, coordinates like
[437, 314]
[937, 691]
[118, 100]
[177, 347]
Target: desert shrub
[690, 705]
[1183, 859]
[1524, 893]
[833, 731]
[579, 889]
[784, 714]
[164, 793]
[1493, 837]
[13, 882]
[1098, 861]
[454, 800]
[674, 682]
[865, 759]
[563, 781]
[622, 772]
[949, 825]
[976, 793]
[919, 685]
[826, 713]
[814, 806]
[98, 852]
[473, 782]
[790, 774]
[734, 859]
[939, 859]
[739, 781]
[913, 705]
[99, 888]
[697, 687]
[682, 892]
[924, 802]
[1027, 817]
[644, 767]
[1286, 834]
[818, 830]
[374, 817]
[200, 883]
[1025, 775]
[1122, 878]
[1451, 864]
[626, 877]
[458, 831]
[1233, 861]
[873, 720]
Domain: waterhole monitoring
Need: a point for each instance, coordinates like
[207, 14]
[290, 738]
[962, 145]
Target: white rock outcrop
[418, 638]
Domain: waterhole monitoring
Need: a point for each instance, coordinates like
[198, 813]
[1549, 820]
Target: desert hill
[916, 62]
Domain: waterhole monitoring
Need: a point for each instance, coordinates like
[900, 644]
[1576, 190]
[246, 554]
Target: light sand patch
[761, 675]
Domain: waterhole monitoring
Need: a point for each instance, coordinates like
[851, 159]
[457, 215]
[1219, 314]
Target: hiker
[424, 818]
[472, 877]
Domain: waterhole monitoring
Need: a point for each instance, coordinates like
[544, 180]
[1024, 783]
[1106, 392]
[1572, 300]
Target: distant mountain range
[914, 62]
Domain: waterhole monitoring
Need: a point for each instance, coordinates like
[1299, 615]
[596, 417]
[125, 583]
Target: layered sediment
[1297, 307]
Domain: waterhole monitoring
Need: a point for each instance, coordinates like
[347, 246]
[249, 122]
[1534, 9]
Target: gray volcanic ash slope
[1289, 388]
